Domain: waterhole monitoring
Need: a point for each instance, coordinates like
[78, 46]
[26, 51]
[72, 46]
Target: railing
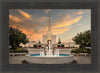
[17, 54]
[81, 54]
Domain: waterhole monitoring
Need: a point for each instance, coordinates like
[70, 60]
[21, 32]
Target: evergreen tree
[39, 43]
[59, 42]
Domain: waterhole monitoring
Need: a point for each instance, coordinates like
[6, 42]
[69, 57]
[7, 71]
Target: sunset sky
[65, 23]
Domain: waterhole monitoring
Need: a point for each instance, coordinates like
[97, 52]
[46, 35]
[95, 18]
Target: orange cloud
[60, 31]
[68, 16]
[24, 14]
[43, 19]
[15, 19]
[79, 13]
[66, 23]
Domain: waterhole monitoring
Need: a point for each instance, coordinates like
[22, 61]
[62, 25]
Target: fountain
[49, 56]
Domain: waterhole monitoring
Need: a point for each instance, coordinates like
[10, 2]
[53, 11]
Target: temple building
[49, 35]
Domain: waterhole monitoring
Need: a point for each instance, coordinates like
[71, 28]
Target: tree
[16, 37]
[83, 39]
[39, 43]
[59, 42]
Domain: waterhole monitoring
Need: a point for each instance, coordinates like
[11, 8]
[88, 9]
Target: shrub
[58, 46]
[35, 46]
[18, 50]
[85, 51]
[89, 51]
[62, 45]
[73, 51]
[79, 50]
[11, 51]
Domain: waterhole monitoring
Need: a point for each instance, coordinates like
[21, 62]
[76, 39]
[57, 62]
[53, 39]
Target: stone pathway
[83, 59]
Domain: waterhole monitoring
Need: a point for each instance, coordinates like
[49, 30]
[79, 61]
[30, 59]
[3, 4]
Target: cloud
[79, 24]
[24, 14]
[42, 19]
[66, 23]
[47, 10]
[79, 13]
[67, 41]
[15, 19]
[60, 30]
[68, 16]
[64, 16]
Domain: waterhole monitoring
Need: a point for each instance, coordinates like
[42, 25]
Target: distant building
[29, 44]
[70, 44]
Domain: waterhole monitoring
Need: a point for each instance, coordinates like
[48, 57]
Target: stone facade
[53, 39]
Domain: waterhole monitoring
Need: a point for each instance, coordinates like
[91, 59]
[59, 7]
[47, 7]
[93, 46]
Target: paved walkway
[83, 59]
[79, 59]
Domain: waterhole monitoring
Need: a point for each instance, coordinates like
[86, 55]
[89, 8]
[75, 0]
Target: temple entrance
[48, 41]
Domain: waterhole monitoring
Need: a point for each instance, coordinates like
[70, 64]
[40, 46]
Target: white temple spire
[49, 26]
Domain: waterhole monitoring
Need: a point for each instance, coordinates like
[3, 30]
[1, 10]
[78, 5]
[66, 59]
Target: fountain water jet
[49, 52]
